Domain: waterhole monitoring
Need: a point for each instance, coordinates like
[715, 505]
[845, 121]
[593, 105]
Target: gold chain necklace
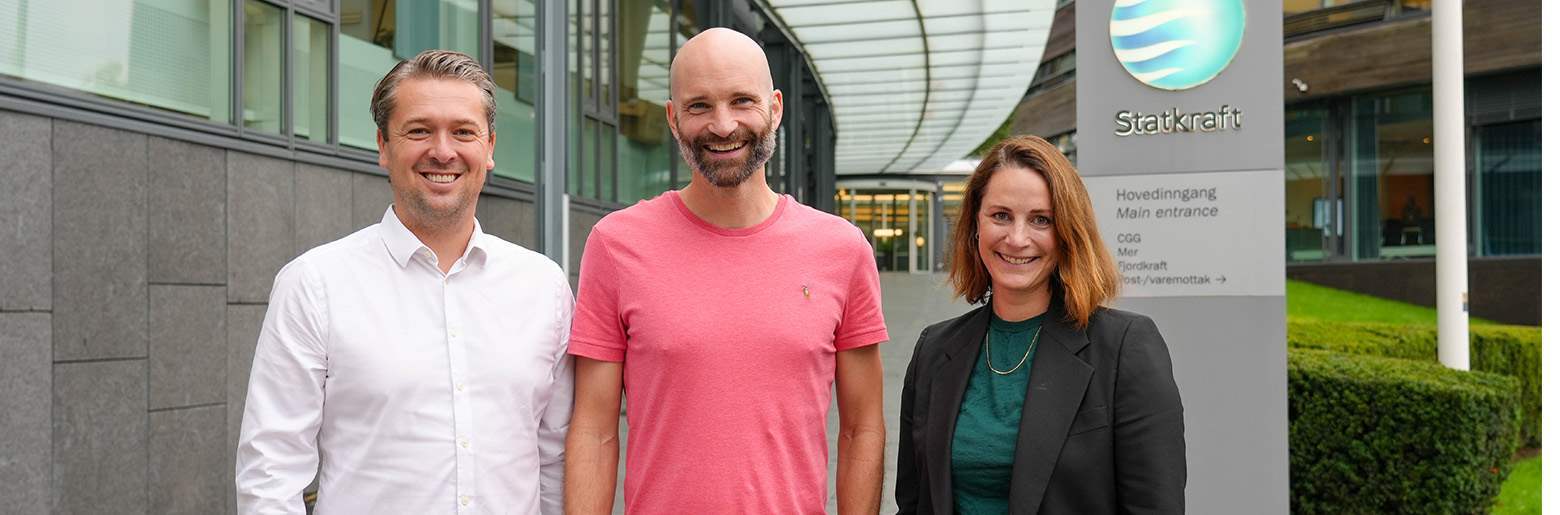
[1021, 361]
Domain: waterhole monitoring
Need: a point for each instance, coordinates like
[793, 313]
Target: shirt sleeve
[598, 332]
[862, 323]
[553, 424]
[278, 452]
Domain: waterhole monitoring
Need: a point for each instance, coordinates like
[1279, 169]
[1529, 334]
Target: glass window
[1054, 71]
[514, 72]
[1394, 175]
[1307, 212]
[311, 95]
[167, 54]
[1295, 6]
[593, 127]
[376, 34]
[645, 147]
[644, 59]
[263, 47]
[1508, 187]
[687, 24]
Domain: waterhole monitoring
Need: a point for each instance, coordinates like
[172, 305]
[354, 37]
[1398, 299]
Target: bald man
[725, 312]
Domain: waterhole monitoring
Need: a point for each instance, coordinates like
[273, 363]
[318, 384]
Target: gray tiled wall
[99, 235]
[134, 272]
[27, 206]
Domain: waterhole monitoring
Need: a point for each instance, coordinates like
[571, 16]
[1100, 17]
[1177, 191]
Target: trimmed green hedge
[1382, 435]
[1514, 351]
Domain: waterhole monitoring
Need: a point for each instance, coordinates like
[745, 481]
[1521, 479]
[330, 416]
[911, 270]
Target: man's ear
[379, 139]
[671, 117]
[492, 148]
[776, 110]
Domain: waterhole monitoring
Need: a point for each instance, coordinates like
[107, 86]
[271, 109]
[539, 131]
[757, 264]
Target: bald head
[724, 109]
[721, 54]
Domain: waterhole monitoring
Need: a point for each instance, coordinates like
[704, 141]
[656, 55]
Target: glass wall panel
[581, 65]
[1295, 6]
[167, 54]
[590, 158]
[376, 34]
[514, 72]
[263, 48]
[1508, 166]
[921, 220]
[686, 25]
[1307, 213]
[1393, 175]
[645, 145]
[311, 93]
[594, 153]
[895, 229]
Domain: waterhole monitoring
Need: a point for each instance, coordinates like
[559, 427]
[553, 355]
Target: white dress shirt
[410, 390]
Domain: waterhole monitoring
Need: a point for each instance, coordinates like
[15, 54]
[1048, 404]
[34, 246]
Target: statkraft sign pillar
[1180, 141]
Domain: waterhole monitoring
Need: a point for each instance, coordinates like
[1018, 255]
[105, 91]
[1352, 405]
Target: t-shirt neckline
[780, 206]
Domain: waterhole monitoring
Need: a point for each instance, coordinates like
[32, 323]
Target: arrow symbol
[1221, 279]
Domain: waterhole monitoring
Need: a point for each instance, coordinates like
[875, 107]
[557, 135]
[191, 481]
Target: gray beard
[763, 147]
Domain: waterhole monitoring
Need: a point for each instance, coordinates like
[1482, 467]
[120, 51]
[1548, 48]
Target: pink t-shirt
[727, 338]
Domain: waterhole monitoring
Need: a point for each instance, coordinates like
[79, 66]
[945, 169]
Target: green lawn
[1520, 493]
[1313, 302]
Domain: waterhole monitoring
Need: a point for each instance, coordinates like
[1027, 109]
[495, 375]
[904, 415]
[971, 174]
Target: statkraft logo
[1176, 44]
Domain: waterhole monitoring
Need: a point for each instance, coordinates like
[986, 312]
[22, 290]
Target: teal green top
[986, 431]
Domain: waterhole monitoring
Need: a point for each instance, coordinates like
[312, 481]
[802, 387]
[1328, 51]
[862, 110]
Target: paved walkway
[910, 303]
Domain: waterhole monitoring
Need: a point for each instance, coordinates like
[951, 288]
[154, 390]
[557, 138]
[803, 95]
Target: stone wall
[134, 275]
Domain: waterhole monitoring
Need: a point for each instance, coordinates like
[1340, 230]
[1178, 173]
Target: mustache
[741, 135]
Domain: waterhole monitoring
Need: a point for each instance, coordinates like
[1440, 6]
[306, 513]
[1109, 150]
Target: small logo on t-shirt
[806, 293]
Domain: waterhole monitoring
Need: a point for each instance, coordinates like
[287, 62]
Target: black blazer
[1101, 431]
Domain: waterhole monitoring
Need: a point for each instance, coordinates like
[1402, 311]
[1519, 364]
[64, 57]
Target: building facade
[165, 158]
[1359, 198]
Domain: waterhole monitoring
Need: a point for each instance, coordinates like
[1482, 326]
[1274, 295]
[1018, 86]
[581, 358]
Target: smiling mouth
[440, 178]
[1017, 260]
[723, 148]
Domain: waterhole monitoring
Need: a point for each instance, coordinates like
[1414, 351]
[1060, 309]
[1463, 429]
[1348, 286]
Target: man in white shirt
[418, 364]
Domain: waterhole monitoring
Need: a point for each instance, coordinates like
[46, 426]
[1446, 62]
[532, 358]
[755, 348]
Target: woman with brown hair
[1040, 400]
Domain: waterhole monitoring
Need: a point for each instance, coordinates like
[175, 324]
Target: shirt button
[465, 443]
[454, 333]
[465, 500]
[460, 387]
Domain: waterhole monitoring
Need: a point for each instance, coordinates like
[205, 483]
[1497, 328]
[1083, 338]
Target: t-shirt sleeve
[598, 331]
[862, 323]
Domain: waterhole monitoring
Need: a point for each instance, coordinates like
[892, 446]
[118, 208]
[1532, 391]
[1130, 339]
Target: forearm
[859, 478]
[589, 471]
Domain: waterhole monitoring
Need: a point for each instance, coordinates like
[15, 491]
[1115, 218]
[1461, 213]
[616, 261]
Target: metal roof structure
[917, 84]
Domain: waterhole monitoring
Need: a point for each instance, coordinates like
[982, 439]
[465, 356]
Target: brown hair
[1085, 274]
[431, 64]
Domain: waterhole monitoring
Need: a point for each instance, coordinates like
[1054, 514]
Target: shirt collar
[402, 244]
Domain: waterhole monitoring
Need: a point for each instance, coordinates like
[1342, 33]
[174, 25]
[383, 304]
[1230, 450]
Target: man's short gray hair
[431, 64]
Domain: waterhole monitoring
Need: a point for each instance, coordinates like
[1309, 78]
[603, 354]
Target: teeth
[442, 178]
[1017, 261]
[726, 147]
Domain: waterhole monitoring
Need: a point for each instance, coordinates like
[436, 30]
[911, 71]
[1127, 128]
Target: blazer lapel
[1057, 382]
[949, 380]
